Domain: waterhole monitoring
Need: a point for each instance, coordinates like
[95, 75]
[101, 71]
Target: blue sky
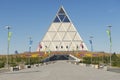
[33, 18]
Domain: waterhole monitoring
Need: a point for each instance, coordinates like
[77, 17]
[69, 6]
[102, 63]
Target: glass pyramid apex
[61, 16]
[61, 11]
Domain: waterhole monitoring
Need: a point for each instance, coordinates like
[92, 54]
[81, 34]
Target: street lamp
[109, 34]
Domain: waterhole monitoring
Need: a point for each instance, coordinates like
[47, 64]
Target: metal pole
[7, 57]
[39, 53]
[29, 54]
[30, 44]
[91, 37]
[110, 44]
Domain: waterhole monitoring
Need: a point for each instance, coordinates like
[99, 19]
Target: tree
[115, 59]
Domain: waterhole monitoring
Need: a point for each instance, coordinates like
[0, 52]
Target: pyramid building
[62, 35]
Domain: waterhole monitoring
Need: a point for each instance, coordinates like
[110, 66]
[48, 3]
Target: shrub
[2, 64]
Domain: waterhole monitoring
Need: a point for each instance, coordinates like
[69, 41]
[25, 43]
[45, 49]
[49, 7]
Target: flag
[108, 32]
[9, 36]
[16, 52]
[30, 42]
[109, 35]
[90, 41]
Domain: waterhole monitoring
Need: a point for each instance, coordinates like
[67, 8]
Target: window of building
[61, 46]
[56, 19]
[67, 47]
[61, 11]
[66, 19]
[77, 47]
[45, 46]
[56, 47]
[61, 17]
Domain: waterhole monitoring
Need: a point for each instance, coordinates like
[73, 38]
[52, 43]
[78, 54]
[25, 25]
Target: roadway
[60, 70]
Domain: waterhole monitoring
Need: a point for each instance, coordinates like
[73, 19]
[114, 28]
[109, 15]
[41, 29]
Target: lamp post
[8, 46]
[109, 34]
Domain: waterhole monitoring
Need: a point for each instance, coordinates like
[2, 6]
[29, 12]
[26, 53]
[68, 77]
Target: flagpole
[30, 44]
[91, 37]
[7, 57]
[110, 43]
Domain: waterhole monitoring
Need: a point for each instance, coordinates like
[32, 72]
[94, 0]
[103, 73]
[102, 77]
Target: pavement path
[61, 70]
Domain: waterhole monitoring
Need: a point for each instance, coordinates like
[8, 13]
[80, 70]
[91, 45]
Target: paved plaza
[60, 70]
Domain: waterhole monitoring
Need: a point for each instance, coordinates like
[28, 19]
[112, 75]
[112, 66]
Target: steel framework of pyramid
[62, 35]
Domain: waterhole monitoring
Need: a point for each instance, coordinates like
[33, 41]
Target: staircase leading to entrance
[55, 57]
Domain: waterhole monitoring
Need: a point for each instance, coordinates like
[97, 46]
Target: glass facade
[61, 16]
[56, 19]
[66, 19]
[61, 11]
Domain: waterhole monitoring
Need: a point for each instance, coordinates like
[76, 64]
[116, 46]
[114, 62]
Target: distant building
[62, 35]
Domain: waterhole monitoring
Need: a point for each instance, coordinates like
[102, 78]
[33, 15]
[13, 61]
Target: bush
[13, 64]
[87, 60]
[2, 64]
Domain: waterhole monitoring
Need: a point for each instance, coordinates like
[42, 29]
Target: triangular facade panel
[47, 37]
[57, 37]
[52, 47]
[57, 19]
[66, 19]
[51, 35]
[72, 28]
[52, 28]
[66, 26]
[67, 37]
[57, 44]
[61, 11]
[61, 28]
[56, 25]
[62, 47]
[67, 45]
[62, 35]
[47, 44]
[72, 46]
[77, 37]
[72, 35]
